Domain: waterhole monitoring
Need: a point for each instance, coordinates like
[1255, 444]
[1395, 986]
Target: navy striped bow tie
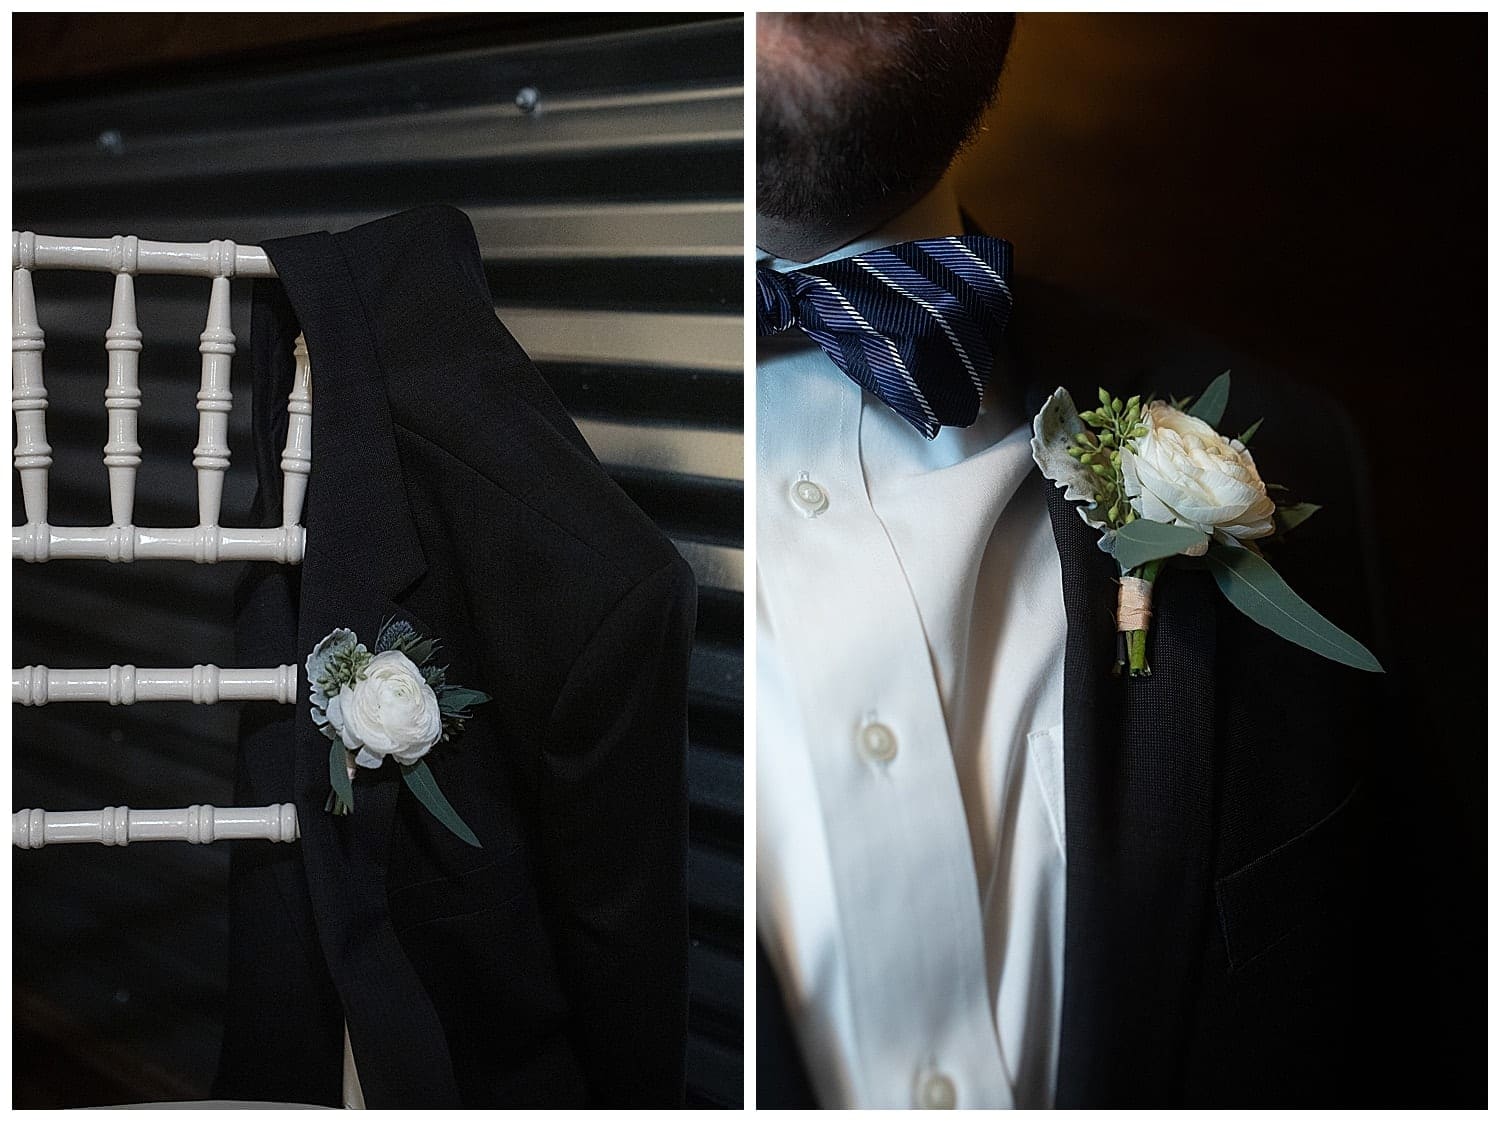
[916, 324]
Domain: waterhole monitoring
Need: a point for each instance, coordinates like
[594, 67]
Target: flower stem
[1136, 640]
[1139, 667]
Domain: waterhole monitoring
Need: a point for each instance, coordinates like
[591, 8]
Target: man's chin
[807, 239]
[804, 241]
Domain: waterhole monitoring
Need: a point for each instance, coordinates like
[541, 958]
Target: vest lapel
[1138, 790]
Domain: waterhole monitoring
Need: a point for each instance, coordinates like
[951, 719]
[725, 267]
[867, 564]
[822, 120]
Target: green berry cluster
[345, 666]
[1111, 427]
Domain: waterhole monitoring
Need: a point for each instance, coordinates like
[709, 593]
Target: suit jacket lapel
[362, 552]
[1138, 794]
[1138, 790]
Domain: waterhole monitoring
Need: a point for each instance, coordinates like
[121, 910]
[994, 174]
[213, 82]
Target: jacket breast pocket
[492, 883]
[1306, 887]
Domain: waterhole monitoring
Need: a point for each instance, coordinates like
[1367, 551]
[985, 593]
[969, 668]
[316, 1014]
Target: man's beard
[859, 114]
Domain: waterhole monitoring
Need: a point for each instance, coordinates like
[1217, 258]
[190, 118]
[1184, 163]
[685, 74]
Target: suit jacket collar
[353, 434]
[1139, 781]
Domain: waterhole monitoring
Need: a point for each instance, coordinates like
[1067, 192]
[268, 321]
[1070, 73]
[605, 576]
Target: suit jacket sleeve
[613, 821]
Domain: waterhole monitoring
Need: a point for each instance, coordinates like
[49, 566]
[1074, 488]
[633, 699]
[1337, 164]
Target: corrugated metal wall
[610, 220]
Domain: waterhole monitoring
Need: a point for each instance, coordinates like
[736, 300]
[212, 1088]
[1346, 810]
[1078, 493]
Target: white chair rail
[122, 540]
[120, 825]
[205, 684]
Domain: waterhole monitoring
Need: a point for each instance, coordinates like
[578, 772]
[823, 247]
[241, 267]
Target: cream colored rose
[1184, 472]
[390, 711]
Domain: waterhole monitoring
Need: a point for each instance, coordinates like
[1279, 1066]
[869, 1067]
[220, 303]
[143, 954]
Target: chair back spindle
[29, 399]
[211, 456]
[296, 461]
[122, 399]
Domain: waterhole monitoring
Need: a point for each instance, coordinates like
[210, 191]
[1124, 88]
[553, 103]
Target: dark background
[610, 223]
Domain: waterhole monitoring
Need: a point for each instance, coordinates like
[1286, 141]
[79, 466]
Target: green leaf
[420, 651]
[1209, 408]
[1246, 436]
[419, 778]
[1252, 586]
[1292, 516]
[1143, 540]
[338, 773]
[454, 698]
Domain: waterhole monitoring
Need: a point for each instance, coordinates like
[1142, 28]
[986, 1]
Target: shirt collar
[934, 215]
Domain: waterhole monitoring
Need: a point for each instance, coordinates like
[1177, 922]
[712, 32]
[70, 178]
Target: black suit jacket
[1247, 830]
[450, 488]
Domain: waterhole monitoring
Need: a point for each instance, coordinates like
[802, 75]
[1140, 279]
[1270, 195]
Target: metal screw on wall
[527, 99]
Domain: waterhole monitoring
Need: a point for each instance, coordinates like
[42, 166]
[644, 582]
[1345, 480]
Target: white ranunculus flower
[1184, 472]
[391, 711]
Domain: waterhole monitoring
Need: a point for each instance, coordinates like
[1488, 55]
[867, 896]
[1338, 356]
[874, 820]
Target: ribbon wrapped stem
[1133, 618]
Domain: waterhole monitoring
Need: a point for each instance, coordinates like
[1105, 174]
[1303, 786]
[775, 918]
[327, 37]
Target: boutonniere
[1163, 486]
[394, 702]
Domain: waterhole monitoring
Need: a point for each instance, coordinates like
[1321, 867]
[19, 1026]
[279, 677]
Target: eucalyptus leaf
[338, 773]
[1249, 434]
[1251, 585]
[1211, 403]
[1144, 540]
[419, 651]
[453, 699]
[1291, 516]
[419, 778]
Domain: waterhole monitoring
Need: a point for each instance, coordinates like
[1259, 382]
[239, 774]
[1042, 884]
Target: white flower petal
[392, 710]
[339, 721]
[366, 758]
[1183, 471]
[413, 754]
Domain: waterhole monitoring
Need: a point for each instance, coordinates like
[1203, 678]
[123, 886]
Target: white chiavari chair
[121, 541]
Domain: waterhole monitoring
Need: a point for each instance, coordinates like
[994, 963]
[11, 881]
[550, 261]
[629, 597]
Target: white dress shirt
[909, 772]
